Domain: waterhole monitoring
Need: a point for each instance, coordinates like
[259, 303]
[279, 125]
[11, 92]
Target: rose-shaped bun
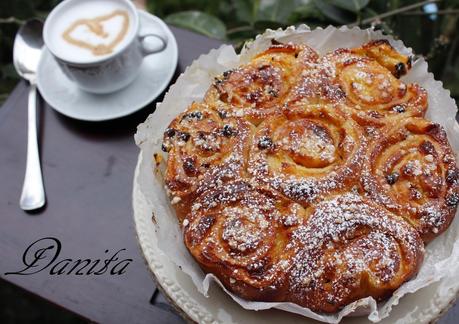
[312, 179]
[412, 171]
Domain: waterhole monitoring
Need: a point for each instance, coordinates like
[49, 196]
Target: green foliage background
[431, 35]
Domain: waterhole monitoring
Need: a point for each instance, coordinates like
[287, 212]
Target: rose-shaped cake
[311, 179]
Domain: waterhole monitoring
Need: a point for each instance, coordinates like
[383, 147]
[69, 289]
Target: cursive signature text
[43, 255]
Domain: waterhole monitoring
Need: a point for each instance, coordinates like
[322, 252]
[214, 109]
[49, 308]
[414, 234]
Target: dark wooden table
[88, 171]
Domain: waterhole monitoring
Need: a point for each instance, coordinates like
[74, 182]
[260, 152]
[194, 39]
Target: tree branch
[392, 13]
[439, 12]
[11, 20]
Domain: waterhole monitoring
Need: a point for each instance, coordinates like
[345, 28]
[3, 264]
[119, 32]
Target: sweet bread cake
[311, 179]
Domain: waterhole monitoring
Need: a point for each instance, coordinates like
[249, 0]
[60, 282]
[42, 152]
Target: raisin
[400, 69]
[258, 269]
[184, 136]
[189, 166]
[452, 200]
[427, 147]
[170, 132]
[228, 131]
[273, 93]
[227, 73]
[252, 97]
[199, 232]
[392, 178]
[302, 191]
[375, 114]
[223, 114]
[164, 148]
[452, 175]
[193, 115]
[265, 142]
[331, 300]
[196, 114]
[399, 108]
[415, 194]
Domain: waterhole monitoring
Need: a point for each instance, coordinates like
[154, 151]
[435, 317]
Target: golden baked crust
[312, 180]
[307, 151]
[412, 171]
[237, 232]
[256, 90]
[348, 248]
[204, 150]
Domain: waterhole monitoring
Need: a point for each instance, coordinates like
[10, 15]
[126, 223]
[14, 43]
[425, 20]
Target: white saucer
[155, 74]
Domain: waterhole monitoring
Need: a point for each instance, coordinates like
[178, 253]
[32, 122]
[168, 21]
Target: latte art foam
[99, 34]
[90, 30]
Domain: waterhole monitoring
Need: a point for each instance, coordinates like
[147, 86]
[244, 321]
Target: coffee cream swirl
[95, 26]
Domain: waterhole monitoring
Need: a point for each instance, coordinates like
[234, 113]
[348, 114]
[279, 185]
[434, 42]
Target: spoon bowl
[27, 48]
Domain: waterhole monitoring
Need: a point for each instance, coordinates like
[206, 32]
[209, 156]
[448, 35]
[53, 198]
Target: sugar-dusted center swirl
[309, 143]
[243, 232]
[306, 151]
[412, 170]
[376, 94]
[368, 83]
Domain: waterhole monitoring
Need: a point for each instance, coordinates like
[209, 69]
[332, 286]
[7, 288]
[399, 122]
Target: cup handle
[146, 50]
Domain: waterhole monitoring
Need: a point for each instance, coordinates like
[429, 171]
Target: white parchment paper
[442, 255]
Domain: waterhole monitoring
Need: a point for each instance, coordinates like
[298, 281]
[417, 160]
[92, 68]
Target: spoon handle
[33, 192]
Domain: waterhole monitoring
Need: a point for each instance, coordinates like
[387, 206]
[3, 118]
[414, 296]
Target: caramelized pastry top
[312, 179]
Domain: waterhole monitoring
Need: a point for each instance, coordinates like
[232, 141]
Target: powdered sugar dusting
[271, 182]
[344, 238]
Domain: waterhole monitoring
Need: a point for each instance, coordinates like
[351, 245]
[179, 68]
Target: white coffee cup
[98, 73]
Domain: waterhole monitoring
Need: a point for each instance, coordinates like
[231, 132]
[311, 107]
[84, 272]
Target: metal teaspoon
[27, 50]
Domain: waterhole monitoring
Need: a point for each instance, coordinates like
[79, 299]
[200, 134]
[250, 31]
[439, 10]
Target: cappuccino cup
[98, 44]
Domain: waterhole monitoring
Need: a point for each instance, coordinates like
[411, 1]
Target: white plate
[423, 306]
[155, 74]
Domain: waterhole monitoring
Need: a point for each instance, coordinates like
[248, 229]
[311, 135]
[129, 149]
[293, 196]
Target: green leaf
[368, 13]
[251, 11]
[261, 25]
[351, 5]
[277, 11]
[8, 71]
[246, 10]
[305, 14]
[452, 3]
[337, 15]
[451, 82]
[199, 22]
